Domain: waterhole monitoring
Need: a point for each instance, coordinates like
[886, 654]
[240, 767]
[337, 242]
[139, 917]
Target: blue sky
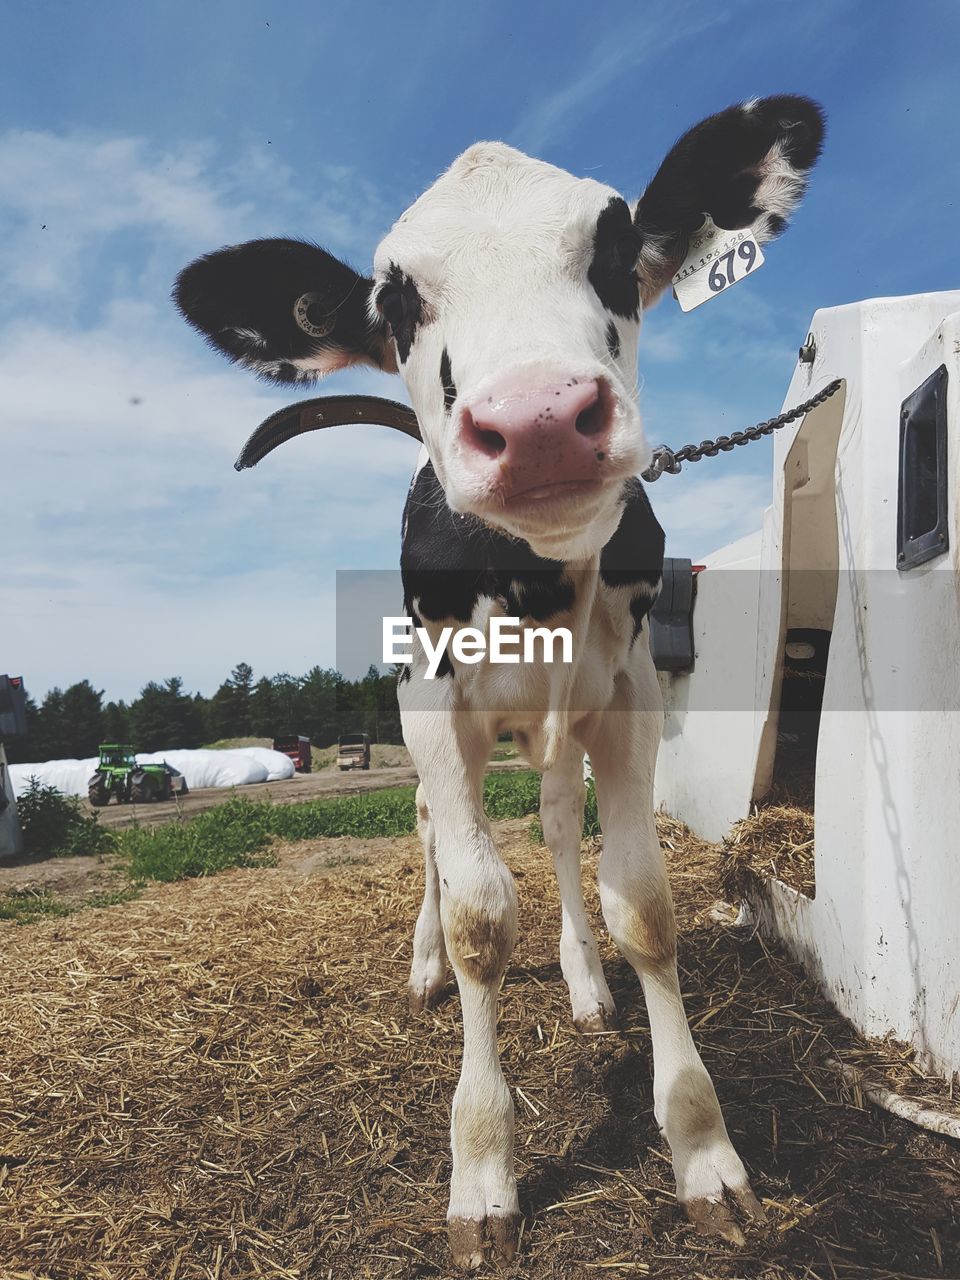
[133, 137]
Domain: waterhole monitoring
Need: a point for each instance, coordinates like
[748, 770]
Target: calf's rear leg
[428, 971]
[561, 815]
[712, 1183]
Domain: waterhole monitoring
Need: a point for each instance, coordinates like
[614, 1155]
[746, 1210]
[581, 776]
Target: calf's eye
[628, 252]
[392, 305]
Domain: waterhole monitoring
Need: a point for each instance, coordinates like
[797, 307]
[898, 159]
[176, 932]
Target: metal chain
[668, 460]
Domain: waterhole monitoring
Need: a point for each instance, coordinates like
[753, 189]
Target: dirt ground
[220, 1080]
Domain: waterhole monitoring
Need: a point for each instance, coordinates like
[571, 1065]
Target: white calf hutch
[849, 591]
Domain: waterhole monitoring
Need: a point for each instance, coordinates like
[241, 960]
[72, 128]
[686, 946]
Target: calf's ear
[285, 309]
[746, 167]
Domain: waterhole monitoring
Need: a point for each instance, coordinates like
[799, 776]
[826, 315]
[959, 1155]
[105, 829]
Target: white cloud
[135, 548]
[626, 47]
[71, 205]
[703, 511]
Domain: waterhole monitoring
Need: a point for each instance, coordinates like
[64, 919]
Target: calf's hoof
[719, 1217]
[425, 995]
[597, 1020]
[474, 1240]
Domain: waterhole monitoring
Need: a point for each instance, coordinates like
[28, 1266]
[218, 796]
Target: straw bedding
[221, 1080]
[776, 840]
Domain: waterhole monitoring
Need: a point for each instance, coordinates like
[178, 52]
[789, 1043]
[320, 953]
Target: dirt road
[302, 786]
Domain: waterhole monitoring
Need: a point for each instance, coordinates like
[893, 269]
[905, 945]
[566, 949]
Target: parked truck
[353, 751]
[297, 747]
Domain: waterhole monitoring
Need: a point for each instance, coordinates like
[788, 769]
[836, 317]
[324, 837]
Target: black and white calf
[509, 298]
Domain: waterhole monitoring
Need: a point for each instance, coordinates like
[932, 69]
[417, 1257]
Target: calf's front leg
[638, 909]
[478, 911]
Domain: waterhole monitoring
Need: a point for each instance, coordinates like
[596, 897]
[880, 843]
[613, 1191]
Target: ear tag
[300, 310]
[715, 261]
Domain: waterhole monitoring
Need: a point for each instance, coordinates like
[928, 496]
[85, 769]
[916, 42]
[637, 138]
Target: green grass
[241, 833]
[376, 813]
[235, 834]
[26, 906]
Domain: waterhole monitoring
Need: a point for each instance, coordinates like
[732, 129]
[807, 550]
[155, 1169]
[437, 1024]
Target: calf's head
[509, 298]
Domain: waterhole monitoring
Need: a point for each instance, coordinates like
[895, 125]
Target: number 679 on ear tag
[716, 261]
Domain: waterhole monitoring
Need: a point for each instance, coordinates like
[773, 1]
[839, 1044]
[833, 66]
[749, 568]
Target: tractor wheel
[141, 788]
[98, 793]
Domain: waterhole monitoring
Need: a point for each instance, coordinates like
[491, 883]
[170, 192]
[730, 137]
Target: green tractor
[120, 777]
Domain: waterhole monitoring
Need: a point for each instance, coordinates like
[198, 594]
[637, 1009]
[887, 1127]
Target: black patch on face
[613, 340]
[242, 300]
[402, 307]
[446, 380]
[612, 271]
[634, 555]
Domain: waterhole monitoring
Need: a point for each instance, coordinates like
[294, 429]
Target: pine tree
[164, 717]
[82, 720]
[116, 722]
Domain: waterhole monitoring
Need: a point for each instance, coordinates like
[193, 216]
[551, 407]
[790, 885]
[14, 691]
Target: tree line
[71, 723]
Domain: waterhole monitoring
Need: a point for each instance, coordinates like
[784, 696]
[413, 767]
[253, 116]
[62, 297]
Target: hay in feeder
[776, 840]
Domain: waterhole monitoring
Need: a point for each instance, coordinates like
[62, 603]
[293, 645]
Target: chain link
[670, 460]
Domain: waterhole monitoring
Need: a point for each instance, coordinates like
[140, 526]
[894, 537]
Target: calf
[509, 298]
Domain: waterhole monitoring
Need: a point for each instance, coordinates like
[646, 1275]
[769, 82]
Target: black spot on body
[613, 340]
[447, 382]
[612, 270]
[445, 666]
[634, 555]
[449, 561]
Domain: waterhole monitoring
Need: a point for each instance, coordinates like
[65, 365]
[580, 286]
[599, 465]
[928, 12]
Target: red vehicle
[297, 748]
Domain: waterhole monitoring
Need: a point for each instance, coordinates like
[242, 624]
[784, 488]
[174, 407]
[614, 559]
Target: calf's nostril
[491, 443]
[483, 439]
[592, 420]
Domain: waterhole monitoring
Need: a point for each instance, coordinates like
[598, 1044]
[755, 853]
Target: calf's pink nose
[537, 434]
